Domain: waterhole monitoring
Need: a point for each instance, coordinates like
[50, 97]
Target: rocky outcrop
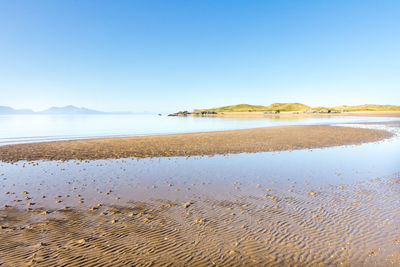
[180, 113]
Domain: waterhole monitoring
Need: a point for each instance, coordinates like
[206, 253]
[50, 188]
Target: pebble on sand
[187, 205]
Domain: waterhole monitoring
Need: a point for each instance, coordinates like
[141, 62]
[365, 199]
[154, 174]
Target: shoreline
[268, 139]
[297, 114]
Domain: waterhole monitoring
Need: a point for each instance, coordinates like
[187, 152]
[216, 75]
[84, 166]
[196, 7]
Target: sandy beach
[205, 143]
[98, 207]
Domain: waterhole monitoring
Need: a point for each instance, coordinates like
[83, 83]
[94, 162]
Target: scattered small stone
[234, 253]
[41, 244]
[187, 205]
[200, 221]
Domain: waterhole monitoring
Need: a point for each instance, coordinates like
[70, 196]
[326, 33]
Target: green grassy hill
[297, 107]
[285, 107]
[258, 108]
[369, 108]
[234, 108]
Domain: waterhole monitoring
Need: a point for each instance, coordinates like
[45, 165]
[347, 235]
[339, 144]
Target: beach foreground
[190, 144]
[346, 226]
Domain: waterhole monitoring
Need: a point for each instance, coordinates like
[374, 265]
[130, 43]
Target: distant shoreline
[290, 114]
[267, 139]
[298, 109]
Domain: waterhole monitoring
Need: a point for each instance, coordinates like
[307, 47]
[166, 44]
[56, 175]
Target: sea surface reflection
[37, 128]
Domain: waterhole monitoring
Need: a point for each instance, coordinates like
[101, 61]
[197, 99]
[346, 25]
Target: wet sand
[352, 225]
[205, 143]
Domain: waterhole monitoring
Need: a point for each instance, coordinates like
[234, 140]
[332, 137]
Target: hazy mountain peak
[70, 110]
[10, 110]
[53, 110]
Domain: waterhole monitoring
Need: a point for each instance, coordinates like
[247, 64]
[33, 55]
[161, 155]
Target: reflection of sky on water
[30, 128]
[217, 176]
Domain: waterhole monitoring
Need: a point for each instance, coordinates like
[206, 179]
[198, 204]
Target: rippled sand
[345, 225]
[207, 143]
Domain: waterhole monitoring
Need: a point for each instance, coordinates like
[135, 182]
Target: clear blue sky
[174, 55]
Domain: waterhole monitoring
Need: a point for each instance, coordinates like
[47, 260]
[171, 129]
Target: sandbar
[194, 144]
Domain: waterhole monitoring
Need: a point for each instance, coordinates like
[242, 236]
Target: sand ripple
[353, 225]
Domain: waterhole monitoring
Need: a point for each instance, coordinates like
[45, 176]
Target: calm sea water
[35, 128]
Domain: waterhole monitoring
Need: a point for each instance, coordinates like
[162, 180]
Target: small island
[291, 109]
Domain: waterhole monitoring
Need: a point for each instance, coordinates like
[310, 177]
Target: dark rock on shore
[180, 113]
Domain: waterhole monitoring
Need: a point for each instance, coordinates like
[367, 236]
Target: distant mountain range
[71, 110]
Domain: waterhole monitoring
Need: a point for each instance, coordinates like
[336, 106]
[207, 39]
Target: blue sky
[174, 55]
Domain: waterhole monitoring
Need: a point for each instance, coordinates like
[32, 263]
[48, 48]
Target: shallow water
[220, 176]
[35, 128]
